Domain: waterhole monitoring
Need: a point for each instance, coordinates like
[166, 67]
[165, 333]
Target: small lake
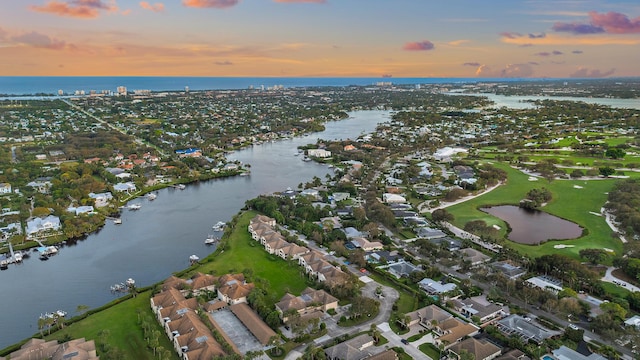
[533, 227]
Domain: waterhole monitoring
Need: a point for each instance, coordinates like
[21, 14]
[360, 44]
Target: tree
[615, 153]
[594, 256]
[606, 171]
[440, 215]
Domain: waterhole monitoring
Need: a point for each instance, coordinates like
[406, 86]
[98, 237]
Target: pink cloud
[38, 40]
[157, 7]
[84, 9]
[217, 4]
[510, 35]
[611, 23]
[474, 64]
[419, 46]
[615, 23]
[591, 73]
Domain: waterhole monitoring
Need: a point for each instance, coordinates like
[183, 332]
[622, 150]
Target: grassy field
[573, 200]
[245, 253]
[121, 321]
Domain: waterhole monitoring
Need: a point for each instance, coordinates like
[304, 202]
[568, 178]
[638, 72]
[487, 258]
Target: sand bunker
[532, 178]
[562, 246]
[577, 187]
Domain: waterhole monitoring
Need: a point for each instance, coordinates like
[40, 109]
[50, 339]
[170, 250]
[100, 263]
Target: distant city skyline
[321, 38]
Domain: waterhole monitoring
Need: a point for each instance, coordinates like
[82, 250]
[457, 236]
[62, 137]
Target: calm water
[534, 227]
[158, 239]
[523, 102]
[26, 85]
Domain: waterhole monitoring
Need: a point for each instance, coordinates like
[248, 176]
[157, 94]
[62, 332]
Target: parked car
[404, 341]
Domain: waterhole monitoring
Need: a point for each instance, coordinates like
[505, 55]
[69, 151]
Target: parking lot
[236, 331]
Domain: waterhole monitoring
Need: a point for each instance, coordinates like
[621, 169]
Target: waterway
[157, 240]
[534, 227]
[525, 102]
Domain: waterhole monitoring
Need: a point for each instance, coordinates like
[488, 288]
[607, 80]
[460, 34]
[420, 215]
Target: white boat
[17, 257]
[219, 226]
[211, 239]
[135, 207]
[194, 258]
[306, 158]
[182, 186]
[130, 282]
[117, 221]
[151, 196]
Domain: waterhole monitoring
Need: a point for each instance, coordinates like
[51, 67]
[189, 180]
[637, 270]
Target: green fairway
[242, 252]
[574, 200]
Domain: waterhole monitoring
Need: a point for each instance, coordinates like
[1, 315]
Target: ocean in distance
[31, 85]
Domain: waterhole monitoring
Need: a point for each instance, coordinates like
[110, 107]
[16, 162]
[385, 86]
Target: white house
[321, 153]
[37, 225]
[5, 188]
[393, 198]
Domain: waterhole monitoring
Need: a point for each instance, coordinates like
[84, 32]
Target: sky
[321, 38]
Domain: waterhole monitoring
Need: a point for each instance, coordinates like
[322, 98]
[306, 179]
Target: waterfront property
[42, 349]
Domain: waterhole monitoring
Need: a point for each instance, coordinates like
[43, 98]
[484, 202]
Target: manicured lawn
[121, 321]
[431, 351]
[572, 200]
[243, 252]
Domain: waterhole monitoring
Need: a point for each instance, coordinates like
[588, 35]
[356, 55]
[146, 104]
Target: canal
[157, 240]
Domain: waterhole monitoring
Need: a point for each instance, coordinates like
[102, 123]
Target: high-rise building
[121, 90]
[186, 89]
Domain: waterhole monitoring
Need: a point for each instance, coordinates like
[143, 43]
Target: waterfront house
[41, 225]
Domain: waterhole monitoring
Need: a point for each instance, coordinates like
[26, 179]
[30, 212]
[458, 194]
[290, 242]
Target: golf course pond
[534, 227]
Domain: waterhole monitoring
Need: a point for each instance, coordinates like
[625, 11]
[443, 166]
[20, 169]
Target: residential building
[478, 307]
[258, 328]
[480, 349]
[40, 225]
[433, 287]
[526, 329]
[232, 288]
[358, 348]
[428, 316]
[77, 349]
[565, 353]
[5, 188]
[452, 331]
[545, 283]
[474, 256]
[309, 301]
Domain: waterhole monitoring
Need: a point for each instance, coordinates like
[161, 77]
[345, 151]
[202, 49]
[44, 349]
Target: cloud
[533, 63]
[218, 4]
[510, 35]
[419, 46]
[301, 1]
[615, 23]
[611, 23]
[591, 73]
[84, 9]
[38, 40]
[578, 29]
[509, 71]
[537, 36]
[570, 40]
[157, 7]
[458, 42]
[577, 52]
[223, 63]
[546, 53]
[474, 64]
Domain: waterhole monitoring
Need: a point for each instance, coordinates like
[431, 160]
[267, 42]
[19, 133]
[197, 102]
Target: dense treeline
[624, 203]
